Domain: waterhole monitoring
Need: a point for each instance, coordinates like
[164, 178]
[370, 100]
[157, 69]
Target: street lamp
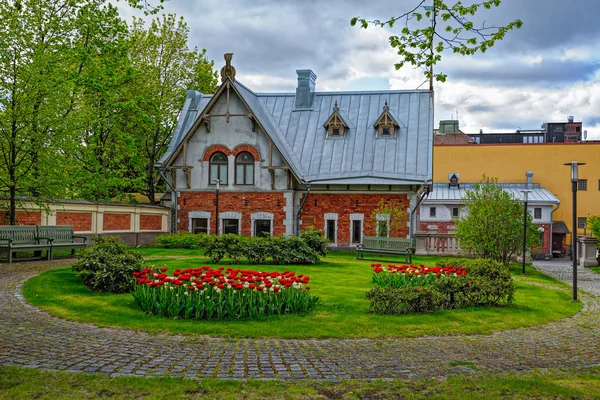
[217, 210]
[574, 178]
[525, 194]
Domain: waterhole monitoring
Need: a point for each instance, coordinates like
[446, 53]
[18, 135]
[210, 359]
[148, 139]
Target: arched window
[218, 169]
[244, 169]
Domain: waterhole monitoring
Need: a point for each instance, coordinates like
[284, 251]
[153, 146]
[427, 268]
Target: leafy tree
[443, 26]
[493, 226]
[34, 99]
[388, 216]
[593, 224]
[165, 68]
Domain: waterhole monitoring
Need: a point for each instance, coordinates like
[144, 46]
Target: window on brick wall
[218, 168]
[244, 169]
[383, 228]
[432, 212]
[542, 238]
[356, 231]
[330, 228]
[231, 226]
[582, 184]
[262, 227]
[199, 225]
[537, 213]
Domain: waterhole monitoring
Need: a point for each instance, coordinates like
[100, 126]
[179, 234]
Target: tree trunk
[151, 189]
[12, 212]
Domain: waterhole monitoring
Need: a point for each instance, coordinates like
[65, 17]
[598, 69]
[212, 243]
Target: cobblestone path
[32, 338]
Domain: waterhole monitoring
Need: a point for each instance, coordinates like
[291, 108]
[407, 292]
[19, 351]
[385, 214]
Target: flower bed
[206, 293]
[397, 276]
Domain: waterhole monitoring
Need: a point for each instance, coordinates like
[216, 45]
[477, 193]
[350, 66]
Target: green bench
[387, 246]
[24, 239]
[61, 238]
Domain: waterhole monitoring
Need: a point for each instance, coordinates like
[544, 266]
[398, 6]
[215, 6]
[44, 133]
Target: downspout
[552, 219]
[412, 213]
[300, 209]
[173, 202]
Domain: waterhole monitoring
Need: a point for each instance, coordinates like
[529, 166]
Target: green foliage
[493, 227]
[315, 240]
[397, 217]
[292, 250]
[304, 249]
[181, 240]
[108, 265]
[424, 36]
[593, 225]
[487, 283]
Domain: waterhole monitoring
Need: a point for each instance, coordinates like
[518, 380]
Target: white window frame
[198, 214]
[260, 215]
[334, 217]
[361, 218]
[382, 217]
[230, 215]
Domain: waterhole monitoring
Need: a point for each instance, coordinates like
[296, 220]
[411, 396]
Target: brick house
[285, 161]
[439, 212]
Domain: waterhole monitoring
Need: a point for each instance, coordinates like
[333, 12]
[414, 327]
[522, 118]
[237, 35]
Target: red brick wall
[249, 149]
[443, 227]
[214, 149]
[244, 203]
[116, 222]
[545, 248]
[150, 222]
[344, 204]
[81, 221]
[23, 218]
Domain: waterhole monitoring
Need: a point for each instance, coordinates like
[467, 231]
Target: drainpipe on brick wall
[300, 209]
[173, 202]
[412, 213]
[552, 219]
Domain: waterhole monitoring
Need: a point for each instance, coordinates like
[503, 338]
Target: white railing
[432, 244]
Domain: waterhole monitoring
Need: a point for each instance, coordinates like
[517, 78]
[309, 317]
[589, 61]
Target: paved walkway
[32, 338]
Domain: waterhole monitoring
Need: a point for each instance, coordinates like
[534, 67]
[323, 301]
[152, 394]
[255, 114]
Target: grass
[21, 383]
[342, 312]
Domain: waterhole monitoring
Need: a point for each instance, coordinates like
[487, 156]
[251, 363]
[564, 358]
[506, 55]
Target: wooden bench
[61, 238]
[22, 238]
[388, 246]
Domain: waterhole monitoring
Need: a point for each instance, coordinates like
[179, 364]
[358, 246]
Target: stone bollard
[587, 251]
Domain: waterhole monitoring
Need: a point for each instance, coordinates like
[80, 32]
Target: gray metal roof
[443, 194]
[191, 110]
[299, 135]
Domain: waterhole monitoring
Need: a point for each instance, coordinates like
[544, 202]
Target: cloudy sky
[545, 71]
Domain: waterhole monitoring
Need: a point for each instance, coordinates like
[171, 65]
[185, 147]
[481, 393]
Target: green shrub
[292, 250]
[315, 240]
[259, 249]
[404, 300]
[489, 283]
[181, 240]
[228, 245]
[108, 265]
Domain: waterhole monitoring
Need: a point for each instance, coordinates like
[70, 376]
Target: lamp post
[574, 177]
[525, 195]
[217, 210]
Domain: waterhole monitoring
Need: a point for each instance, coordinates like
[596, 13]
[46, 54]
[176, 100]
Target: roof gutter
[412, 213]
[552, 219]
[173, 201]
[300, 209]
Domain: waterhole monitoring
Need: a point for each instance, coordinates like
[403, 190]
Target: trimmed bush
[292, 250]
[259, 249]
[487, 283]
[315, 240]
[181, 240]
[108, 265]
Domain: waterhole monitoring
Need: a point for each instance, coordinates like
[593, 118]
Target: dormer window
[386, 125]
[453, 180]
[335, 125]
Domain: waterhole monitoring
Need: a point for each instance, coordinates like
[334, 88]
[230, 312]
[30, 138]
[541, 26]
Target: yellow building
[510, 162]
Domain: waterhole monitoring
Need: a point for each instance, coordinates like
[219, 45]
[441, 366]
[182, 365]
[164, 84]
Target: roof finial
[386, 107]
[335, 107]
[228, 70]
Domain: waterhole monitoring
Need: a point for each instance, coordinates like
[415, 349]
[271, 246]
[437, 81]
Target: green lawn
[21, 383]
[342, 312]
